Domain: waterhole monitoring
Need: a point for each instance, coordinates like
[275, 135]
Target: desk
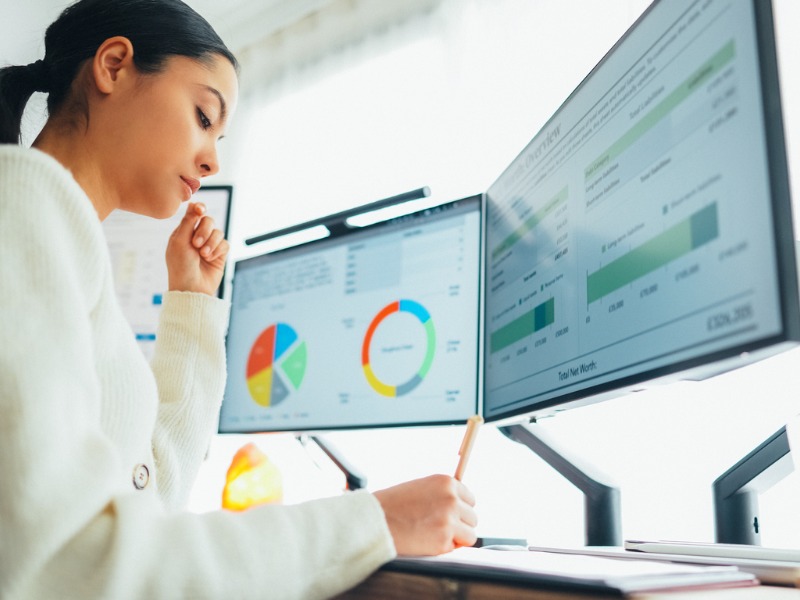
[389, 585]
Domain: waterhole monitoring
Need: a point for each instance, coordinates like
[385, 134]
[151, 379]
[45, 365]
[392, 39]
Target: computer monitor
[374, 327]
[645, 233]
[138, 246]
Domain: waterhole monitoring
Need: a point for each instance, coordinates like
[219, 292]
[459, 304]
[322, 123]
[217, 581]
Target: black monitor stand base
[354, 479]
[601, 500]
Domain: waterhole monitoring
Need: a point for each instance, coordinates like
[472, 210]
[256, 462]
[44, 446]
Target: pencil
[473, 423]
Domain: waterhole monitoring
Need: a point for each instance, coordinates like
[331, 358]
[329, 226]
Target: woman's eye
[204, 121]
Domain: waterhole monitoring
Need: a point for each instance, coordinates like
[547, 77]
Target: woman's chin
[165, 210]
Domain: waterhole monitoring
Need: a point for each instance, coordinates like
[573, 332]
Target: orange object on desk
[252, 479]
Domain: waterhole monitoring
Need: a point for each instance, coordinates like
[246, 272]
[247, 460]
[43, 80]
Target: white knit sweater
[82, 415]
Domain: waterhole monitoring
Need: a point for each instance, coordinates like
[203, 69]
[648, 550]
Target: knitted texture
[81, 411]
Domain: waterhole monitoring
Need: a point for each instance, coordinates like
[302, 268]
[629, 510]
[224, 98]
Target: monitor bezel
[342, 237]
[713, 363]
[226, 228]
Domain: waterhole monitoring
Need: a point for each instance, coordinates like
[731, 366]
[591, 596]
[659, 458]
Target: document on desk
[771, 572]
[771, 565]
[573, 571]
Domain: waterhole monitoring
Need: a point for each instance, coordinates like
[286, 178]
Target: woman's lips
[192, 184]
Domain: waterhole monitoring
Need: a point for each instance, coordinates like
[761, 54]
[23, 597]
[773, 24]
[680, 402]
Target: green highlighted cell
[532, 321]
[530, 223]
[702, 75]
[699, 229]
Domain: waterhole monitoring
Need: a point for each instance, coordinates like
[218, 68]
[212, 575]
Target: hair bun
[40, 76]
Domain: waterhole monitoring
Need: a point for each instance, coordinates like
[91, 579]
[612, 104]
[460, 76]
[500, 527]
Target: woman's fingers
[430, 515]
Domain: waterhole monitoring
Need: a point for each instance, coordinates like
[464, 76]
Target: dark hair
[157, 29]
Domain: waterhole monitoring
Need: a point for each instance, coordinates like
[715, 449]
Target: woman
[98, 449]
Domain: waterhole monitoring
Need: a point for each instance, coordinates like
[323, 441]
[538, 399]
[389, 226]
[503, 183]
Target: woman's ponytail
[17, 85]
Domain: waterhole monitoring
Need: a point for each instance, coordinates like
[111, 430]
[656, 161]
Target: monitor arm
[736, 491]
[354, 479]
[601, 500]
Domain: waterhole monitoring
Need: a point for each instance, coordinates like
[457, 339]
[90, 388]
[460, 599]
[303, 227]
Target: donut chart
[423, 316]
[276, 365]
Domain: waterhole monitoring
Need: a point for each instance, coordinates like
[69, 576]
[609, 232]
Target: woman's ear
[112, 61]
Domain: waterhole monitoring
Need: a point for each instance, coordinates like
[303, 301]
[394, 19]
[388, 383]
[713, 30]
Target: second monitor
[646, 231]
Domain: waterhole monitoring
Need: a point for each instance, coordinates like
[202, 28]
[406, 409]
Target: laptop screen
[376, 327]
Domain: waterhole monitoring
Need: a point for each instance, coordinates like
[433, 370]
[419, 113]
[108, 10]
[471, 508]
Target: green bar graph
[680, 239]
[530, 223]
[531, 322]
[711, 67]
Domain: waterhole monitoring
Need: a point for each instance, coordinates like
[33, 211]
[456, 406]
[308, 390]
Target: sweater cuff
[194, 307]
[373, 513]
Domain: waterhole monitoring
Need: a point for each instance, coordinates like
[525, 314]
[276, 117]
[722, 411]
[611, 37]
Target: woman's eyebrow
[223, 106]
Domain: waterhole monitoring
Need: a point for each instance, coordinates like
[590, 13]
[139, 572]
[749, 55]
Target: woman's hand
[429, 516]
[196, 253]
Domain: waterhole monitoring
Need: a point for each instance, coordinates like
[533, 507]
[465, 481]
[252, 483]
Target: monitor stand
[736, 491]
[353, 478]
[601, 500]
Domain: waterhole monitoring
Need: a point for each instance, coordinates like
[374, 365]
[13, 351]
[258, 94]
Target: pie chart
[276, 365]
[420, 314]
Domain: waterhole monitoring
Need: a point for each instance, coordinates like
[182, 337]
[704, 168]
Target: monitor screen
[376, 327]
[645, 232]
[138, 245]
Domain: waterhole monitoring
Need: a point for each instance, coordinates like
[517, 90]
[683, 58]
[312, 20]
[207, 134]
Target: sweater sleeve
[307, 551]
[189, 366]
[69, 528]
